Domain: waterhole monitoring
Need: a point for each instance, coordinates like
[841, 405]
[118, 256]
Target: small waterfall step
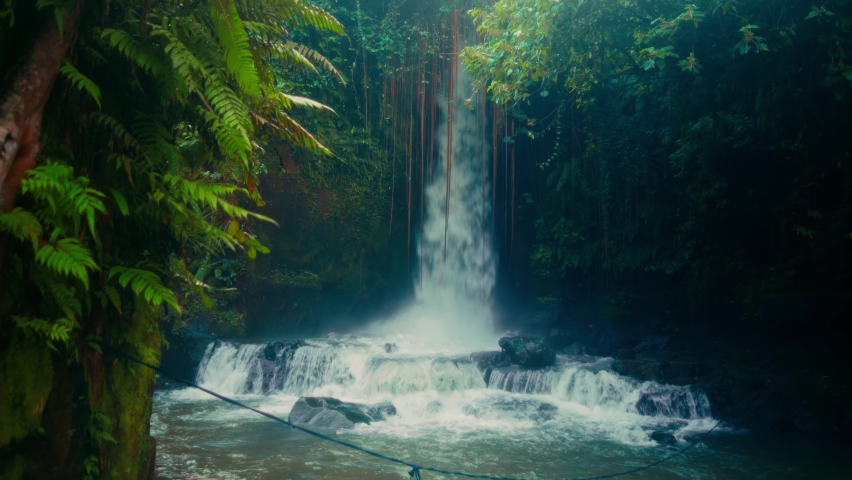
[361, 367]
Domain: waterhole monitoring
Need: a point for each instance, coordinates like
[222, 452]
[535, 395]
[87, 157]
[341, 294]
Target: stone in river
[333, 414]
[664, 438]
[528, 352]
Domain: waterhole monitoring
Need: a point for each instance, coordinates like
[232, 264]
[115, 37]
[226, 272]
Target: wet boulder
[663, 438]
[272, 367]
[486, 362]
[517, 408]
[380, 411]
[528, 352]
[332, 414]
[275, 351]
[391, 348]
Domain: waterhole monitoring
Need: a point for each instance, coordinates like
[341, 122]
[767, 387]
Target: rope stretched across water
[415, 468]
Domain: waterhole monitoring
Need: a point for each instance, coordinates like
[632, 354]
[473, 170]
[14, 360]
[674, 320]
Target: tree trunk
[23, 103]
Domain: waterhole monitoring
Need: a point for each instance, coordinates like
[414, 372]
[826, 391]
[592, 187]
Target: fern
[146, 284]
[67, 196]
[113, 296]
[293, 132]
[68, 257]
[290, 101]
[22, 224]
[116, 127]
[156, 142]
[81, 81]
[234, 40]
[294, 13]
[66, 300]
[317, 58]
[87, 202]
[135, 51]
[210, 195]
[58, 330]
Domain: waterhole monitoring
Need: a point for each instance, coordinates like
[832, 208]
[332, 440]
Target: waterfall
[362, 368]
[594, 385]
[317, 367]
[457, 266]
[410, 374]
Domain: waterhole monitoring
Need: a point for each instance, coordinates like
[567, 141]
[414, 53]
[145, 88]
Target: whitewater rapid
[444, 390]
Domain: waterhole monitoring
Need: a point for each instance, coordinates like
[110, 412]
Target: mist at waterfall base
[575, 419]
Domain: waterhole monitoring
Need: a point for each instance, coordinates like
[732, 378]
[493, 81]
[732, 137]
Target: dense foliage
[149, 153]
[693, 149]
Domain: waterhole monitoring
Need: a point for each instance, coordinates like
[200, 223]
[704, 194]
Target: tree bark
[22, 105]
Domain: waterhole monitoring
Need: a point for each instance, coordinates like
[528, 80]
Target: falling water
[457, 266]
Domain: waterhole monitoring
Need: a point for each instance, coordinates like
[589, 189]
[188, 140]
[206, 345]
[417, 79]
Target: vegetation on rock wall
[131, 134]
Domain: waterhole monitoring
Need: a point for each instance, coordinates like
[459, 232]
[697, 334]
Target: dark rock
[381, 411]
[281, 348]
[519, 408]
[640, 369]
[664, 438]
[274, 360]
[528, 352]
[486, 362]
[391, 348]
[434, 407]
[806, 423]
[333, 414]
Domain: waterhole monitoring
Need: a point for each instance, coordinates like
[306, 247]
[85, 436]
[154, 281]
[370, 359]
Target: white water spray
[457, 264]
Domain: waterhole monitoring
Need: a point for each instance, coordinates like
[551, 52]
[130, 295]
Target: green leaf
[145, 284]
[22, 224]
[81, 81]
[68, 257]
[120, 201]
[234, 40]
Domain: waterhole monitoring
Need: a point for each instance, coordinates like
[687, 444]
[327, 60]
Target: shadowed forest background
[175, 171]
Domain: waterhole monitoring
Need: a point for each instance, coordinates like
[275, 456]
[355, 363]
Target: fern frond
[113, 296]
[317, 58]
[296, 13]
[292, 131]
[65, 299]
[209, 195]
[87, 202]
[68, 257]
[185, 64]
[288, 52]
[263, 30]
[135, 51]
[156, 142]
[234, 141]
[81, 81]
[147, 285]
[115, 126]
[49, 184]
[59, 330]
[21, 224]
[234, 40]
[289, 101]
